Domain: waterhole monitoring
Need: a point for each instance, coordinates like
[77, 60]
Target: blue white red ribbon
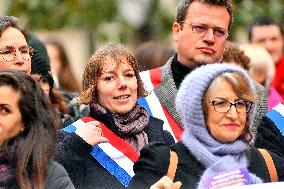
[117, 156]
[277, 116]
[153, 106]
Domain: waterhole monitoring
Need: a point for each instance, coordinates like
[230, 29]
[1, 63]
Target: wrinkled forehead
[114, 63]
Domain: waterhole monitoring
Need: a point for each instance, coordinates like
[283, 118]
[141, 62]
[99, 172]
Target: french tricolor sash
[153, 106]
[277, 116]
[116, 156]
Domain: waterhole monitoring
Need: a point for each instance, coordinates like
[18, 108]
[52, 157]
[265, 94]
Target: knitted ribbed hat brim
[193, 88]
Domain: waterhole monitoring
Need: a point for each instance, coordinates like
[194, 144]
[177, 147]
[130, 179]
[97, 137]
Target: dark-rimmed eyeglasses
[9, 53]
[223, 106]
[201, 29]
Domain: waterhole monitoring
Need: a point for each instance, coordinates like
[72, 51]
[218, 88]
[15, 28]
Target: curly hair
[93, 69]
[260, 60]
[31, 150]
[234, 54]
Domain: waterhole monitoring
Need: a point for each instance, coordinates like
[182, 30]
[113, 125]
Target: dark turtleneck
[179, 71]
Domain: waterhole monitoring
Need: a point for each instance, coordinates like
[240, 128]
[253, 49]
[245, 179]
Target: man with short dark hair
[266, 32]
[200, 31]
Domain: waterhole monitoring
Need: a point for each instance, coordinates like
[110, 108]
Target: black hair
[263, 21]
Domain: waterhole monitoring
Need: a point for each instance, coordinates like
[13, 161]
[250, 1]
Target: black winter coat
[154, 162]
[57, 178]
[269, 137]
[85, 171]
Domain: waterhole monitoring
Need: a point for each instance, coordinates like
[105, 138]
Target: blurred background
[83, 25]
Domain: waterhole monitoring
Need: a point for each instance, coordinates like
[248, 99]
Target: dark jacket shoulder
[154, 161]
[269, 137]
[147, 170]
[156, 133]
[57, 177]
[258, 165]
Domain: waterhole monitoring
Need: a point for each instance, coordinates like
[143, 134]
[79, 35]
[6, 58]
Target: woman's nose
[232, 113]
[18, 57]
[122, 82]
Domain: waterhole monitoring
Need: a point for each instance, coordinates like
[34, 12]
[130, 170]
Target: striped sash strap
[153, 106]
[277, 116]
[116, 156]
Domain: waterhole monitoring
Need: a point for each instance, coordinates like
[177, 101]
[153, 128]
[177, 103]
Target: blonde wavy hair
[93, 70]
[260, 59]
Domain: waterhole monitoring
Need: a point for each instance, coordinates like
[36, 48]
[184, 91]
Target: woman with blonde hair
[262, 70]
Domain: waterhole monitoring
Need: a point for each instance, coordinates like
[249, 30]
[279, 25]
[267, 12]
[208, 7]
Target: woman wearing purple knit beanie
[216, 106]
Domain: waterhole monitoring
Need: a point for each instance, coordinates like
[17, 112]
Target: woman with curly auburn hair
[111, 85]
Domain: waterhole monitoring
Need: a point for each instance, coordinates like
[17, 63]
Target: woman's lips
[231, 125]
[121, 97]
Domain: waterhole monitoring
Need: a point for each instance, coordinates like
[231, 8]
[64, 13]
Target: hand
[91, 133]
[166, 183]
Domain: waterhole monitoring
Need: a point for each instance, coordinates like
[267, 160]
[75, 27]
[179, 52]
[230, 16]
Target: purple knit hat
[215, 156]
[193, 88]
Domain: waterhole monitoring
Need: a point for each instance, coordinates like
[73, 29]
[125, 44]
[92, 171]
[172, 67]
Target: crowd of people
[208, 115]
